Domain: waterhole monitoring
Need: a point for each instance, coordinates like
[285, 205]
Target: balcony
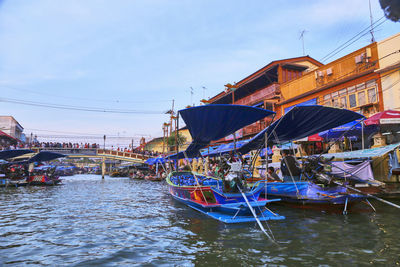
[265, 93]
[256, 127]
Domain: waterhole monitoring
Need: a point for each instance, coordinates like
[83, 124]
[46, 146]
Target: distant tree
[391, 8]
[171, 140]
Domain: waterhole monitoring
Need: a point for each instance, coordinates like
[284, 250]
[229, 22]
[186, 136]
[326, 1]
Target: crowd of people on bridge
[70, 145]
[64, 145]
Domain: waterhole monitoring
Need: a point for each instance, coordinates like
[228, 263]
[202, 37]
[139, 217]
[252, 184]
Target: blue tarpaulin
[7, 154]
[350, 129]
[300, 122]
[212, 122]
[222, 149]
[363, 154]
[152, 161]
[45, 156]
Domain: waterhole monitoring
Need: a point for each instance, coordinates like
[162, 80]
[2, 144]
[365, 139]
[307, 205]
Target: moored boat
[206, 195]
[228, 200]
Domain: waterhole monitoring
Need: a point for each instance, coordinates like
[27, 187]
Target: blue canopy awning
[363, 154]
[152, 161]
[45, 156]
[222, 149]
[353, 128]
[212, 122]
[7, 154]
[300, 122]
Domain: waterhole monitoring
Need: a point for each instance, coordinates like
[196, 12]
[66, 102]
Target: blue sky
[139, 55]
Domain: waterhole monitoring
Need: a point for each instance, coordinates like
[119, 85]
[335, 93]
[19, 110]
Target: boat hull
[222, 206]
[309, 195]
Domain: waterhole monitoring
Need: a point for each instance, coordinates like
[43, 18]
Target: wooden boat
[315, 189]
[19, 175]
[206, 195]
[43, 179]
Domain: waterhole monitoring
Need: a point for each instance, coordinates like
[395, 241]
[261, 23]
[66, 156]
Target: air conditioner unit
[358, 59]
[329, 72]
[368, 52]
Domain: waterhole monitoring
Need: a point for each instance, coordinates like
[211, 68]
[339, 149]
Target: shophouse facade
[389, 71]
[351, 82]
[262, 88]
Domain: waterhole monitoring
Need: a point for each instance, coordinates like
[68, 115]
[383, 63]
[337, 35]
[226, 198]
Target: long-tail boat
[315, 189]
[233, 203]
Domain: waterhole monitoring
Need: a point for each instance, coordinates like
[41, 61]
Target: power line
[81, 98]
[89, 134]
[352, 40]
[77, 108]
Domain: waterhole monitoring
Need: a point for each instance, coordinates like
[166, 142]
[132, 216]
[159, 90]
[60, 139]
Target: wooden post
[103, 167]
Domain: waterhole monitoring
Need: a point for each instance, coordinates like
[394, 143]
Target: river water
[117, 221]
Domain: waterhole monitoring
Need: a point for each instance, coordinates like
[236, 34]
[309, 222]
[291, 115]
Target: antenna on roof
[371, 19]
[191, 95]
[302, 40]
[204, 92]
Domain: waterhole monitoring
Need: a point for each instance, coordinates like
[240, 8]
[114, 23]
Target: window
[352, 101]
[372, 95]
[351, 89]
[335, 102]
[326, 97]
[353, 96]
[343, 102]
[361, 98]
[343, 92]
[360, 86]
[370, 83]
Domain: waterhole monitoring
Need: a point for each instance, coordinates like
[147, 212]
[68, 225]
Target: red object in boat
[384, 117]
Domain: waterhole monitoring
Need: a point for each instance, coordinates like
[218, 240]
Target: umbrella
[352, 129]
[384, 117]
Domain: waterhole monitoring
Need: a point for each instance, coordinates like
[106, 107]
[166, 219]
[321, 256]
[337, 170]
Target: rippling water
[118, 221]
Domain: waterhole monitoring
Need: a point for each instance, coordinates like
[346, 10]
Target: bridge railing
[92, 152]
[122, 154]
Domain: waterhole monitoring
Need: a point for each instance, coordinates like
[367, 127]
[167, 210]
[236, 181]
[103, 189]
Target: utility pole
[103, 164]
[372, 27]
[302, 40]
[171, 115]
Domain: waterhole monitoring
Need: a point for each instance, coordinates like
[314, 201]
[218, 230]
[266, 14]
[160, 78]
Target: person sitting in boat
[272, 176]
[290, 168]
[234, 178]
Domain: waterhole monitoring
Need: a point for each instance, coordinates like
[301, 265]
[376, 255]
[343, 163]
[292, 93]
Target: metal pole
[103, 165]
[362, 135]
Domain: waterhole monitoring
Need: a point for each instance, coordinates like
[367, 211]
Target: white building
[11, 126]
[389, 69]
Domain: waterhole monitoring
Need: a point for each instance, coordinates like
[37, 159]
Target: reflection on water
[117, 221]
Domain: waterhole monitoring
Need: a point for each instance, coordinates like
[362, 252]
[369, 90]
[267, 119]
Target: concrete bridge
[96, 153]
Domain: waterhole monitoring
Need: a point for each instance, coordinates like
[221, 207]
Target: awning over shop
[213, 122]
[351, 129]
[3, 134]
[362, 154]
[300, 122]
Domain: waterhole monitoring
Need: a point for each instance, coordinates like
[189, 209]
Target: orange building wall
[345, 73]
